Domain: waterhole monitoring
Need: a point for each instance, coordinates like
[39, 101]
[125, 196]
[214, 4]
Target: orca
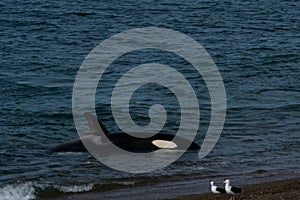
[122, 140]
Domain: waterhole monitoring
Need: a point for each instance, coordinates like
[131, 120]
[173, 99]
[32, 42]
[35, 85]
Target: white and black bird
[230, 189]
[215, 189]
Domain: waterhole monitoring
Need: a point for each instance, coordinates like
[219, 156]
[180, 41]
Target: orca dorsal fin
[95, 127]
[103, 128]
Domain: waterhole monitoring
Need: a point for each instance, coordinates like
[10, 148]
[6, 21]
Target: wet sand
[279, 190]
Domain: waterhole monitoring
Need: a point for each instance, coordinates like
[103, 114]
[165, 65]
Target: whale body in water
[123, 140]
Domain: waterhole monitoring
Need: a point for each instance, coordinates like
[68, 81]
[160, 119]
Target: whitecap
[75, 188]
[24, 191]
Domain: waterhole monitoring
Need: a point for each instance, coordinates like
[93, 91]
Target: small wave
[259, 171]
[30, 191]
[75, 188]
[24, 191]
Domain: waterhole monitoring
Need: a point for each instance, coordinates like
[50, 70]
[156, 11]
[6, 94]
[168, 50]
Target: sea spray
[24, 191]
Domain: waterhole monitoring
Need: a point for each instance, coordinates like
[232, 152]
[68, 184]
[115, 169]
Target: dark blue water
[255, 45]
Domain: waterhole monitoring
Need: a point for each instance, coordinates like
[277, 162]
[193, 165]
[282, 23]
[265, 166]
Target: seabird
[230, 189]
[215, 189]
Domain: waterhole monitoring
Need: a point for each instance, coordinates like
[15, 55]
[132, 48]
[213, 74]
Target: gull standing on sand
[215, 189]
[230, 189]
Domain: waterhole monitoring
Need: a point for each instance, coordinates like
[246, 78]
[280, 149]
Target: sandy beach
[279, 190]
[288, 189]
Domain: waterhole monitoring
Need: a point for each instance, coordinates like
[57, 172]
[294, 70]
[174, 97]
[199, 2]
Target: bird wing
[220, 190]
[236, 190]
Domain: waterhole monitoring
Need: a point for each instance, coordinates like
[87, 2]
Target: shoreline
[187, 190]
[283, 189]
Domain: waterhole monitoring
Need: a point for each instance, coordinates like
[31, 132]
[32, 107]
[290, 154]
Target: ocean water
[255, 45]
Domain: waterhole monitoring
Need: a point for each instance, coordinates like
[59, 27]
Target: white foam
[76, 188]
[24, 191]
